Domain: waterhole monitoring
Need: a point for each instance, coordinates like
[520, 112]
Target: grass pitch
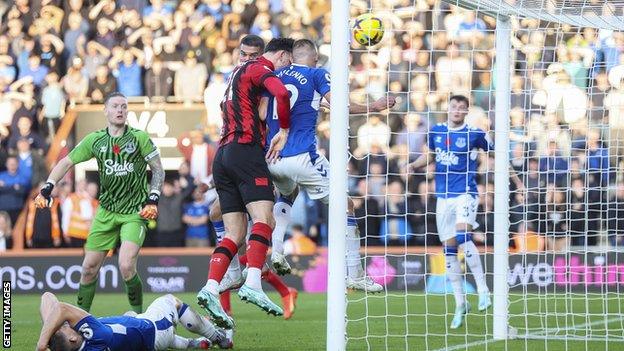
[392, 321]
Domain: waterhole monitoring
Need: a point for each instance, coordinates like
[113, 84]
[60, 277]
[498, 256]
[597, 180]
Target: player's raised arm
[383, 103]
[423, 160]
[53, 315]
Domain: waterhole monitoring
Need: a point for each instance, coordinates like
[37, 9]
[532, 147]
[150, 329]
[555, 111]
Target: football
[368, 29]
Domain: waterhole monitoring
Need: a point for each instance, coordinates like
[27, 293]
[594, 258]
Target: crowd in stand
[567, 117]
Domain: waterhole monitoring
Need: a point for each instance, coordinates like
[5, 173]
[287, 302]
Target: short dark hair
[112, 95]
[59, 342]
[253, 41]
[278, 44]
[304, 43]
[460, 98]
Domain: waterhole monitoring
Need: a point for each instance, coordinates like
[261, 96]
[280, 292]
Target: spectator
[126, 66]
[373, 132]
[413, 135]
[395, 228]
[169, 229]
[158, 80]
[615, 218]
[196, 220]
[24, 131]
[190, 79]
[53, 100]
[554, 165]
[216, 87]
[31, 165]
[95, 57]
[43, 229]
[78, 211]
[34, 70]
[13, 189]
[299, 243]
[102, 85]
[6, 231]
[198, 153]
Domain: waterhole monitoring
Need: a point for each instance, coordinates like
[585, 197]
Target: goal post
[337, 224]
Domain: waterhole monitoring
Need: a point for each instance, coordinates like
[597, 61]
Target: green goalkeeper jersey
[122, 165]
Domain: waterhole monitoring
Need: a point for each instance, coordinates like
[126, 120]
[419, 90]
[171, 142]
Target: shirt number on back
[294, 95]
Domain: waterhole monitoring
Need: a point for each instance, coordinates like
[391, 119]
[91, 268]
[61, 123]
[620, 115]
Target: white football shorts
[288, 172]
[455, 210]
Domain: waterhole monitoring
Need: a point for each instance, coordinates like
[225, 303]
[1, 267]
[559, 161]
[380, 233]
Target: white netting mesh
[566, 145]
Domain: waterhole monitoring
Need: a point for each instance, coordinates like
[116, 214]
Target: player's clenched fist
[44, 198]
[150, 210]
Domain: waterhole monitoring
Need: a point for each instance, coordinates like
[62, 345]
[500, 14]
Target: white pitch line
[528, 336]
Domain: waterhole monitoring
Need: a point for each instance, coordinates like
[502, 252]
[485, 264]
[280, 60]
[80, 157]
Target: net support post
[501, 178]
[338, 146]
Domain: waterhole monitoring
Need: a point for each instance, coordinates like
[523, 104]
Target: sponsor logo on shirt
[118, 169]
[446, 158]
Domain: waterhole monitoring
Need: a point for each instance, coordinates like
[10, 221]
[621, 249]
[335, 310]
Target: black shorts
[241, 176]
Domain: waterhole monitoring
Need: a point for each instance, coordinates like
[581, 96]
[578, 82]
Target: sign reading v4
[152, 124]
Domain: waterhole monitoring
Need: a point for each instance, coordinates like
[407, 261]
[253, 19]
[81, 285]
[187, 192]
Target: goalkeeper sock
[86, 292]
[473, 261]
[281, 212]
[454, 273]
[354, 263]
[134, 289]
[219, 228]
[259, 242]
[219, 263]
[195, 323]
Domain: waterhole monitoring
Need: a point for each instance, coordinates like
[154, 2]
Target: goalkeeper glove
[150, 210]
[44, 198]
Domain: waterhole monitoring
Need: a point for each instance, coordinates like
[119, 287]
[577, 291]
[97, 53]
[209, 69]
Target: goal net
[546, 80]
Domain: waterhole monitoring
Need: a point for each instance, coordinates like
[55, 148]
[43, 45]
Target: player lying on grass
[454, 146]
[69, 328]
[301, 166]
[123, 154]
[242, 178]
[251, 47]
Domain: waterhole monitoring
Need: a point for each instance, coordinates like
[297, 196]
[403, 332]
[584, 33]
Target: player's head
[457, 109]
[305, 53]
[65, 339]
[251, 47]
[116, 108]
[279, 51]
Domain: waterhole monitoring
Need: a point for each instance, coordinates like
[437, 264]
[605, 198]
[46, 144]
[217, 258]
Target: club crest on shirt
[460, 142]
[438, 139]
[130, 147]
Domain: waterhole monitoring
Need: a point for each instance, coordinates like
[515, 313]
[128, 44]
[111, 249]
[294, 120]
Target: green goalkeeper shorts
[108, 228]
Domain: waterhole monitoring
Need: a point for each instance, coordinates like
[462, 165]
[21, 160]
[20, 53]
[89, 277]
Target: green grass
[391, 322]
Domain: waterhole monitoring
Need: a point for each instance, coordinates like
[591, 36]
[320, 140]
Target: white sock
[180, 343]
[281, 212]
[253, 278]
[195, 323]
[354, 262]
[473, 261]
[454, 273]
[212, 286]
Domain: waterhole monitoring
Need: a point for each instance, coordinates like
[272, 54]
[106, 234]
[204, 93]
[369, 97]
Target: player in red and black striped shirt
[242, 178]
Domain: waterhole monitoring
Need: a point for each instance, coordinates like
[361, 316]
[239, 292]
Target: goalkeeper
[122, 154]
